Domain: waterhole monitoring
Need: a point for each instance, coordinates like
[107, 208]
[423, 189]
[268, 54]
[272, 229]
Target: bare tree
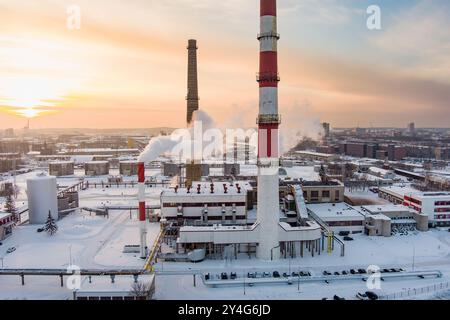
[141, 290]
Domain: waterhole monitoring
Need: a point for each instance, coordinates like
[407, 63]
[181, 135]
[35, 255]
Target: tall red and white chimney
[142, 219]
[268, 122]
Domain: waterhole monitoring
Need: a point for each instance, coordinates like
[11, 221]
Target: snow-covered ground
[421, 251]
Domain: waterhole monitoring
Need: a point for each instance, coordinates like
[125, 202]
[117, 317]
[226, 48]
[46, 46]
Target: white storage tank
[42, 198]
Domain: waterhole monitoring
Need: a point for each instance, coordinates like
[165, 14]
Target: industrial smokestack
[192, 95]
[142, 220]
[268, 122]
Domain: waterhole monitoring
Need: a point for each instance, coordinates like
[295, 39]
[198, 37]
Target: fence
[417, 291]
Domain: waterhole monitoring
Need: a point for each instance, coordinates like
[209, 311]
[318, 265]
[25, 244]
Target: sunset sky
[126, 67]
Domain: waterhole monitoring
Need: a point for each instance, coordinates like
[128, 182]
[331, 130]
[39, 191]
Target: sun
[30, 97]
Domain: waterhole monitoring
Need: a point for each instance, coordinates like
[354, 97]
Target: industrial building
[338, 216]
[61, 168]
[206, 203]
[96, 168]
[7, 221]
[319, 192]
[128, 168]
[383, 220]
[269, 237]
[171, 169]
[436, 205]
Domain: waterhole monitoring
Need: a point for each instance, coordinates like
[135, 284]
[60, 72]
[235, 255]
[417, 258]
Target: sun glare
[27, 96]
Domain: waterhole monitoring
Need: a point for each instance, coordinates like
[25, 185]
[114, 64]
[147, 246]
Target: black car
[385, 271]
[347, 238]
[337, 273]
[353, 271]
[362, 271]
[276, 274]
[326, 273]
[251, 275]
[344, 233]
[371, 295]
[224, 276]
[233, 276]
[285, 275]
[207, 276]
[336, 297]
[295, 274]
[344, 272]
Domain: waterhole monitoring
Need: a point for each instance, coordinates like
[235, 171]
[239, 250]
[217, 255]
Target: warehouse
[61, 168]
[96, 168]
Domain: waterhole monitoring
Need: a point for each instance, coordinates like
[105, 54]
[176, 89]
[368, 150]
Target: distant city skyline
[127, 65]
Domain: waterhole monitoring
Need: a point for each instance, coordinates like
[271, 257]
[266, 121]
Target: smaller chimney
[212, 187]
[199, 186]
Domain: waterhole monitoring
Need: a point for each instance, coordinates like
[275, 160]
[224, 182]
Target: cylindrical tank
[42, 198]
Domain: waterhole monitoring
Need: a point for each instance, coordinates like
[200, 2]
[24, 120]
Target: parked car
[276, 274]
[337, 273]
[11, 250]
[362, 271]
[362, 296]
[353, 271]
[336, 297]
[233, 276]
[207, 276]
[372, 295]
[326, 273]
[285, 275]
[295, 274]
[344, 272]
[385, 271]
[224, 276]
[344, 233]
[347, 238]
[39, 230]
[266, 275]
[251, 275]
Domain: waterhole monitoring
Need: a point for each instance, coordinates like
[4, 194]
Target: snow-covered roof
[335, 211]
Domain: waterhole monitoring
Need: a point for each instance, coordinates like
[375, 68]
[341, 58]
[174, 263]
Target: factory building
[436, 205]
[270, 237]
[338, 216]
[231, 169]
[319, 192]
[171, 169]
[96, 168]
[61, 168]
[128, 168]
[383, 220]
[206, 204]
[195, 172]
[7, 221]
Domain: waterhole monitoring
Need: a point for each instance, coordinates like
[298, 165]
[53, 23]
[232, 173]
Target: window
[314, 195]
[337, 195]
[326, 194]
